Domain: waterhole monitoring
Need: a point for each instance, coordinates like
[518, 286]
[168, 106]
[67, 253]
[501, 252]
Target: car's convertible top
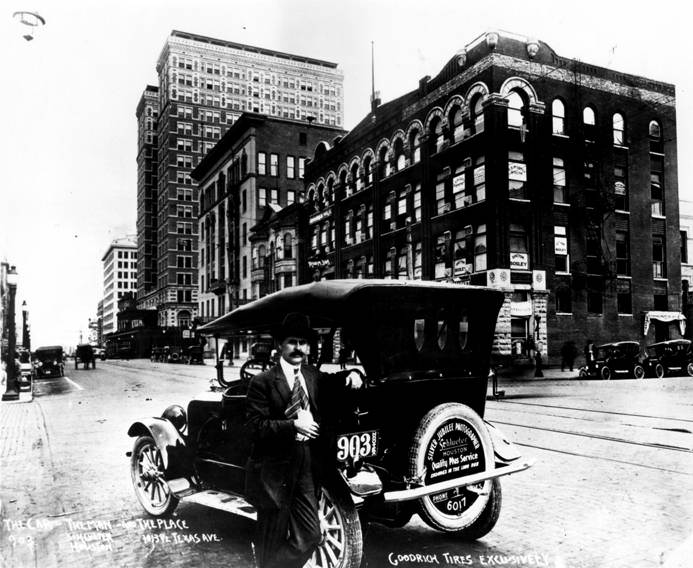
[330, 301]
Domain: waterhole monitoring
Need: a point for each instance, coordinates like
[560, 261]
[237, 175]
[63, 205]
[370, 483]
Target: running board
[422, 491]
[223, 501]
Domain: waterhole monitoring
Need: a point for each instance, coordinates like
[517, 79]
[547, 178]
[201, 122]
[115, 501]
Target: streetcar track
[599, 437]
[623, 462]
[599, 411]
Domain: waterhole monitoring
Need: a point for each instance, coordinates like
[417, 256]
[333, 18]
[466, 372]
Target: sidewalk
[527, 372]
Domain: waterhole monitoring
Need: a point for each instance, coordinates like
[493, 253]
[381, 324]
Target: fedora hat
[295, 325]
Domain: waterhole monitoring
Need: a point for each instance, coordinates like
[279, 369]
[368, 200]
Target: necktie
[299, 398]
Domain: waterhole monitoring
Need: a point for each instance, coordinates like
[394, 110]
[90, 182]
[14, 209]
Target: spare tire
[452, 441]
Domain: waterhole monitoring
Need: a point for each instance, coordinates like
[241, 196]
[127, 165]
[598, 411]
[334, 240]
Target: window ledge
[592, 315]
[622, 211]
[625, 315]
[559, 135]
[561, 204]
[624, 277]
[520, 200]
[621, 146]
[659, 217]
[564, 313]
[562, 274]
[661, 279]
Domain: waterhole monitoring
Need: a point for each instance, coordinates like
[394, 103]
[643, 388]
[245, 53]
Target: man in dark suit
[283, 472]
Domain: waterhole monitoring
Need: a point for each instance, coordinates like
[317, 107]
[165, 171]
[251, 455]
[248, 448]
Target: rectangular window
[458, 189]
[517, 176]
[244, 263]
[684, 247]
[622, 253]
[301, 167]
[244, 201]
[261, 197]
[559, 195]
[441, 205]
[479, 179]
[621, 182]
[290, 167]
[290, 196]
[593, 252]
[657, 194]
[595, 296]
[624, 298]
[402, 202]
[274, 196]
[658, 257]
[417, 203]
[480, 248]
[517, 240]
[274, 165]
[560, 249]
[564, 299]
[261, 163]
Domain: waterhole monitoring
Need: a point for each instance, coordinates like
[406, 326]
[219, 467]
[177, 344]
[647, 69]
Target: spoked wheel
[639, 372]
[147, 470]
[689, 369]
[605, 373]
[251, 368]
[659, 371]
[341, 544]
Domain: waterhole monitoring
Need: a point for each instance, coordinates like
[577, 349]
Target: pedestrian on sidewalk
[538, 363]
[568, 354]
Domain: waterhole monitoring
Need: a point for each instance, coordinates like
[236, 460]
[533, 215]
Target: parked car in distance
[100, 352]
[49, 361]
[85, 354]
[411, 441]
[669, 357]
[618, 359]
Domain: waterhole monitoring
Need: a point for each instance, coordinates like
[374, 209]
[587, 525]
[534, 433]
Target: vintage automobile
[260, 357]
[412, 441]
[615, 359]
[100, 352]
[193, 354]
[669, 357]
[49, 361]
[84, 353]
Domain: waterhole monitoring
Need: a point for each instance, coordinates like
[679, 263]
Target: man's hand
[354, 380]
[305, 425]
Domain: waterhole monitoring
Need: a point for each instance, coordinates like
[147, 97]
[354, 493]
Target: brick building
[251, 183]
[516, 168]
[205, 84]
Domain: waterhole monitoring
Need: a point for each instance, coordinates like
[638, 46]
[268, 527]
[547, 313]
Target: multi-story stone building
[119, 278]
[204, 86]
[251, 183]
[549, 178]
[147, 166]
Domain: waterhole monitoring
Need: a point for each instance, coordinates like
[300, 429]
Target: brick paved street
[611, 486]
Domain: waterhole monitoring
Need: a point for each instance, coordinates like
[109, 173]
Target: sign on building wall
[519, 261]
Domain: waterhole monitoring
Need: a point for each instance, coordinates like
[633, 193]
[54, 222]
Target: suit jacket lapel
[310, 385]
[282, 385]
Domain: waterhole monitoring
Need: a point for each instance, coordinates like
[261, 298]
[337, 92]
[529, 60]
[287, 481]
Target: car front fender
[175, 454]
[505, 451]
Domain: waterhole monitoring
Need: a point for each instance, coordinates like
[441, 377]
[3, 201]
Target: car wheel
[147, 471]
[689, 369]
[583, 374]
[659, 371]
[605, 373]
[639, 372]
[341, 542]
[452, 438]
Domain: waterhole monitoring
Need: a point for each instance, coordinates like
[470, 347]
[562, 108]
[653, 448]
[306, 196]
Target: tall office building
[204, 86]
[119, 277]
[147, 120]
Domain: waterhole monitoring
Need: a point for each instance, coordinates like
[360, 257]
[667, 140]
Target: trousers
[286, 537]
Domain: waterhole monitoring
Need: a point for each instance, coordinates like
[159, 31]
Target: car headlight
[176, 415]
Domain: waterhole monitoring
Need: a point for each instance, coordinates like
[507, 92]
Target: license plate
[357, 445]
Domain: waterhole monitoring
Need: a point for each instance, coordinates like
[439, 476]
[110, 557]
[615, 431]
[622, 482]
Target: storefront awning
[665, 317]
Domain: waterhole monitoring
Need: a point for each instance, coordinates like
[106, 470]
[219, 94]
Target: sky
[68, 153]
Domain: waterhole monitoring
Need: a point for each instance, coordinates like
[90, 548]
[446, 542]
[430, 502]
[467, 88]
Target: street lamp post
[12, 391]
[26, 337]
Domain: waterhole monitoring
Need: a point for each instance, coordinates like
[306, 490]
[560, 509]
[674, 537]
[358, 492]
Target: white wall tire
[659, 371]
[639, 372]
[452, 441]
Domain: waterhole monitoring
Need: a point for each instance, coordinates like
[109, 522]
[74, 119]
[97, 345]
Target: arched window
[516, 109]
[619, 128]
[329, 194]
[368, 170]
[320, 195]
[437, 134]
[415, 146]
[183, 319]
[288, 246]
[588, 117]
[478, 114]
[355, 182]
[383, 163]
[558, 116]
[344, 189]
[400, 160]
[261, 254]
[654, 132]
[457, 124]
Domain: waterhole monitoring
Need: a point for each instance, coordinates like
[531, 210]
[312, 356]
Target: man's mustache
[297, 353]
